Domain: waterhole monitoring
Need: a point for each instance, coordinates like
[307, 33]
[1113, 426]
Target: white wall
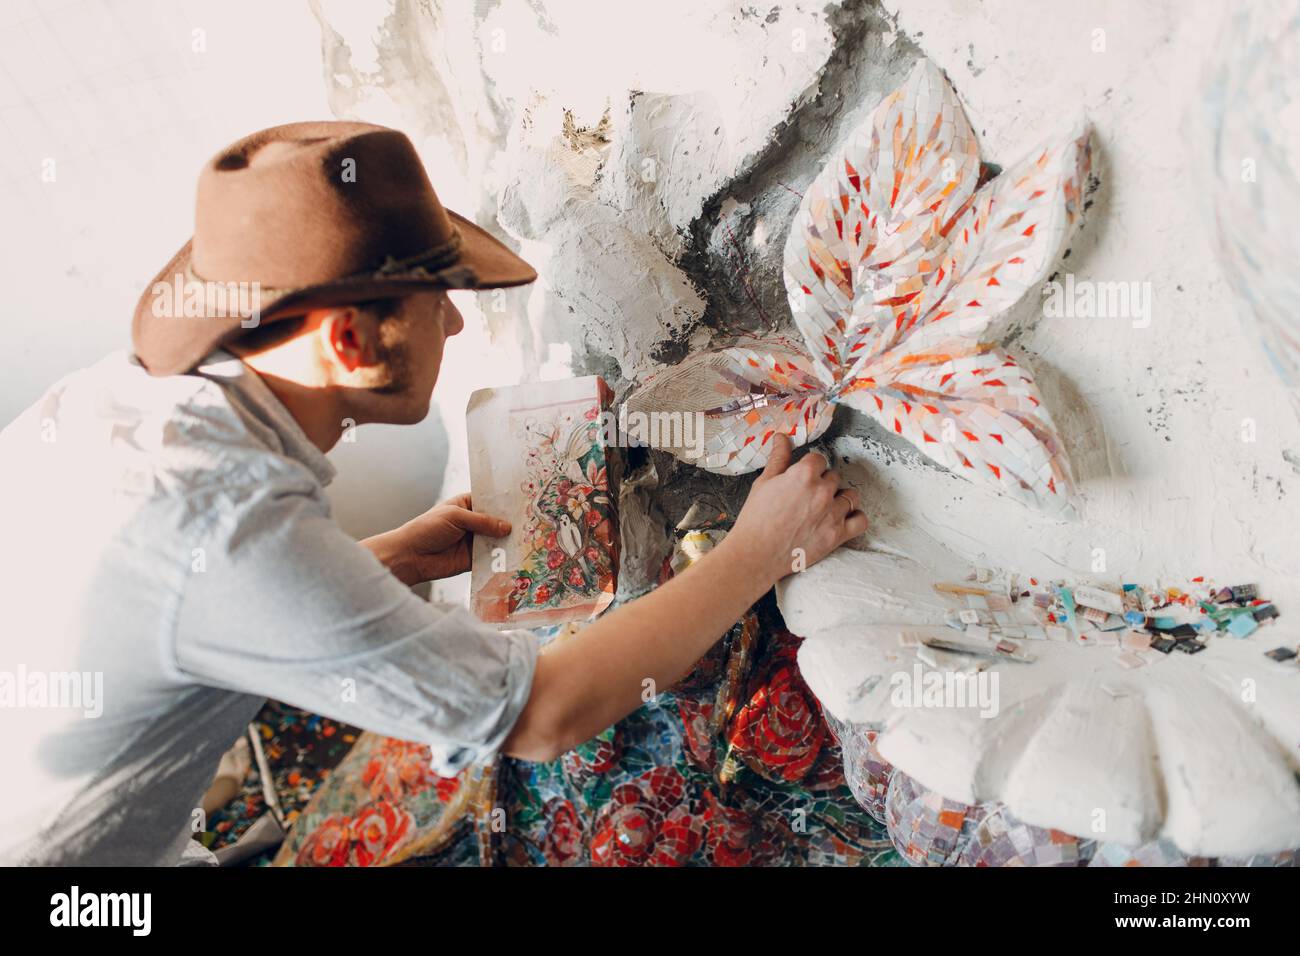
[1153, 416]
[116, 94]
[737, 104]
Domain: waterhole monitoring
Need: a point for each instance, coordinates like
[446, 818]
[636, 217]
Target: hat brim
[494, 264]
[167, 342]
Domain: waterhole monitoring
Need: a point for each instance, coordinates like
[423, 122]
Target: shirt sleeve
[285, 605]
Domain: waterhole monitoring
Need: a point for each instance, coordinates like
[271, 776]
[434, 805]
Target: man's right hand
[797, 514]
[584, 684]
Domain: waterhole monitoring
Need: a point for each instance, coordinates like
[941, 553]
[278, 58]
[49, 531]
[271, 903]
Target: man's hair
[263, 337]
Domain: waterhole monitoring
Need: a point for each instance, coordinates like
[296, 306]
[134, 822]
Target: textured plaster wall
[649, 162]
[651, 165]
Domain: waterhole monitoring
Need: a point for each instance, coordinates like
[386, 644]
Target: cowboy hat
[307, 215]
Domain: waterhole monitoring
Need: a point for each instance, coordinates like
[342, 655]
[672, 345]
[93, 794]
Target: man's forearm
[584, 684]
[588, 682]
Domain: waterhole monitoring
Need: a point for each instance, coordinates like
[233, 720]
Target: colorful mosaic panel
[734, 767]
[1001, 840]
[301, 750]
[927, 829]
[865, 771]
[1156, 853]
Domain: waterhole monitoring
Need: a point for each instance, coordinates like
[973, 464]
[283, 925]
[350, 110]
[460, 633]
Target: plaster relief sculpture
[896, 266]
[1197, 749]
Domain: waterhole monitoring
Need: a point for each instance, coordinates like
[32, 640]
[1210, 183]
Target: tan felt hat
[306, 215]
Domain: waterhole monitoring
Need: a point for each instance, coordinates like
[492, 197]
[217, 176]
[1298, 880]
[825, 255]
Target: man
[170, 557]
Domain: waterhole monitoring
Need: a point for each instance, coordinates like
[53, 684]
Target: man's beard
[395, 357]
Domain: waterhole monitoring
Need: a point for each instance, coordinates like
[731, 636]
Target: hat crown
[309, 203]
[304, 216]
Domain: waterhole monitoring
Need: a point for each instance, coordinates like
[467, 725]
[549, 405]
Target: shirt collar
[255, 397]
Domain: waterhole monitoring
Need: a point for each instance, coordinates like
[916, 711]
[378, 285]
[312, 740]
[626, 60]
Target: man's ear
[346, 338]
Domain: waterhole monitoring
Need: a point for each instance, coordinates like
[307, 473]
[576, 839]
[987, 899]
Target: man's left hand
[438, 543]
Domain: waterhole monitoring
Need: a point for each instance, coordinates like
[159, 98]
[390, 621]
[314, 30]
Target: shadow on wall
[367, 500]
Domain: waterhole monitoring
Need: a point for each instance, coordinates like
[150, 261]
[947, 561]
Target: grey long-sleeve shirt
[169, 561]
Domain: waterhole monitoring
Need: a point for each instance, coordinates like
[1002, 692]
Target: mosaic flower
[328, 844]
[398, 768]
[737, 837]
[447, 787]
[365, 839]
[647, 822]
[896, 265]
[565, 843]
[779, 730]
[378, 830]
[584, 763]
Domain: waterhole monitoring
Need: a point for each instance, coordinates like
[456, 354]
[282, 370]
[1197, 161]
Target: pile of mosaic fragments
[1006, 611]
